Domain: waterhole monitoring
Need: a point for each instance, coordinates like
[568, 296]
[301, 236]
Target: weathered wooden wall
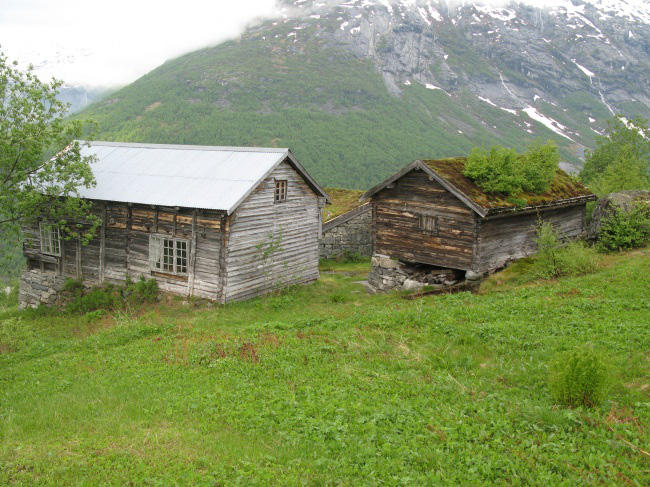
[512, 236]
[396, 223]
[120, 248]
[259, 220]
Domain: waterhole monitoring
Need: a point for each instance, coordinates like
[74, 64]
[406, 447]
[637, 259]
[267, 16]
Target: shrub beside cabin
[430, 213]
[223, 223]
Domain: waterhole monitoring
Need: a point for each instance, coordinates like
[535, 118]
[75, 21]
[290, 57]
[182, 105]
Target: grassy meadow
[326, 385]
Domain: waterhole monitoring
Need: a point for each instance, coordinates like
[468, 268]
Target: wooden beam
[129, 218]
[223, 260]
[34, 255]
[78, 263]
[192, 263]
[102, 244]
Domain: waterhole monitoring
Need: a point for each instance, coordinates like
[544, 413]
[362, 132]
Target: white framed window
[280, 190]
[50, 239]
[429, 224]
[168, 254]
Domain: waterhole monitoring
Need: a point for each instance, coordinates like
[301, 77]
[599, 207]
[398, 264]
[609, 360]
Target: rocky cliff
[358, 89]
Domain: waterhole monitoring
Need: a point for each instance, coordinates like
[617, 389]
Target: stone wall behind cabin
[351, 236]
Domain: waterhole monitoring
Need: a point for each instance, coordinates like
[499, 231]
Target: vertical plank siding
[396, 223]
[259, 220]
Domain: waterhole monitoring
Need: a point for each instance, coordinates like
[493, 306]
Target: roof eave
[311, 182]
[530, 208]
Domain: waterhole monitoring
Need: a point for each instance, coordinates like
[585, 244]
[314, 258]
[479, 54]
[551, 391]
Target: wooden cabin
[223, 223]
[430, 213]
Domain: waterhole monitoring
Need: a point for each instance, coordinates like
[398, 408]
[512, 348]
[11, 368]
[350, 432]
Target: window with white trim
[50, 239]
[280, 190]
[168, 254]
[429, 224]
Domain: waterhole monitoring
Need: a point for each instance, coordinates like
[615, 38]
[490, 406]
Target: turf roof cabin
[224, 223]
[430, 213]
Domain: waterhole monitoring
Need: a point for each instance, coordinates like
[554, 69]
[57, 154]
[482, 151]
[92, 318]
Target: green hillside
[330, 107]
[326, 385]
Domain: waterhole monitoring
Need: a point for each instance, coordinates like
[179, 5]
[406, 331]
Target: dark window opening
[280, 191]
[429, 224]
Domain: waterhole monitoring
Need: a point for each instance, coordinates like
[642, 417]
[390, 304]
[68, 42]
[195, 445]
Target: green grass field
[326, 385]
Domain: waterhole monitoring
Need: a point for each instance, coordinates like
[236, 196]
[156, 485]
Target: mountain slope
[359, 89]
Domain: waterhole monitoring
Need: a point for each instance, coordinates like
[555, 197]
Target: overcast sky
[107, 43]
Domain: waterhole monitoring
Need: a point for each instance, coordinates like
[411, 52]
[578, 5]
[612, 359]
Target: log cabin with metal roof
[430, 213]
[223, 223]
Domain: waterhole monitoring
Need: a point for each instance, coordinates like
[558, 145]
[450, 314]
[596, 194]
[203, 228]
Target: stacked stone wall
[40, 287]
[387, 274]
[352, 236]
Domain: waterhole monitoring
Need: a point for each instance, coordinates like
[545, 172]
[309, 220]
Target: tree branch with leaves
[41, 161]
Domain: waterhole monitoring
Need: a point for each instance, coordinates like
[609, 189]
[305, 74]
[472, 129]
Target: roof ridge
[215, 148]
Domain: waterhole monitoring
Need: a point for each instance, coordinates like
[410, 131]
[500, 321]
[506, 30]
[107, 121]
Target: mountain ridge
[359, 89]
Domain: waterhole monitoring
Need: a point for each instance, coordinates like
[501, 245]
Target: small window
[168, 255]
[280, 191]
[429, 224]
[50, 240]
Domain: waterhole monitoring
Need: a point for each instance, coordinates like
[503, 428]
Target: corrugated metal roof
[215, 178]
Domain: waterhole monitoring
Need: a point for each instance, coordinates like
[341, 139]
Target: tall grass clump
[556, 259]
[579, 377]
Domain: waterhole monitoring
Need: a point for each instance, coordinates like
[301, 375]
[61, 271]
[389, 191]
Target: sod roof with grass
[343, 200]
[449, 173]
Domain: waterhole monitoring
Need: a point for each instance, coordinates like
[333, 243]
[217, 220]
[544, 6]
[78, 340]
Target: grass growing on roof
[326, 385]
[563, 186]
[343, 200]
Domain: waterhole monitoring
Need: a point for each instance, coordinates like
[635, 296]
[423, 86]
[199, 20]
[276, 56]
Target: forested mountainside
[357, 89]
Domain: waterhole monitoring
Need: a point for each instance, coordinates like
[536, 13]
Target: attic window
[280, 190]
[429, 224]
[50, 240]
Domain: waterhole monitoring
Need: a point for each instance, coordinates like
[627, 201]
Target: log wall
[512, 236]
[120, 248]
[396, 223]
[252, 267]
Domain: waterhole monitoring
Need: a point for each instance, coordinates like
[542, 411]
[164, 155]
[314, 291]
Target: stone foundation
[38, 287]
[347, 234]
[389, 274]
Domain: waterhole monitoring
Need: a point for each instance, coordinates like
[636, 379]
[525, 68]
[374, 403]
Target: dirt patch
[153, 106]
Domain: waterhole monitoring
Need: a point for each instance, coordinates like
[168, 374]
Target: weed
[579, 377]
[554, 259]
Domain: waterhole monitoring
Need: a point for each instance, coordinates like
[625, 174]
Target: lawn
[326, 385]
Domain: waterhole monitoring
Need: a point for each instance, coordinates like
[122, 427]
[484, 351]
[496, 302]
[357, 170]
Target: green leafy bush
[502, 170]
[142, 291]
[625, 230]
[579, 377]
[494, 171]
[556, 259]
[96, 299]
[537, 167]
[110, 297]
